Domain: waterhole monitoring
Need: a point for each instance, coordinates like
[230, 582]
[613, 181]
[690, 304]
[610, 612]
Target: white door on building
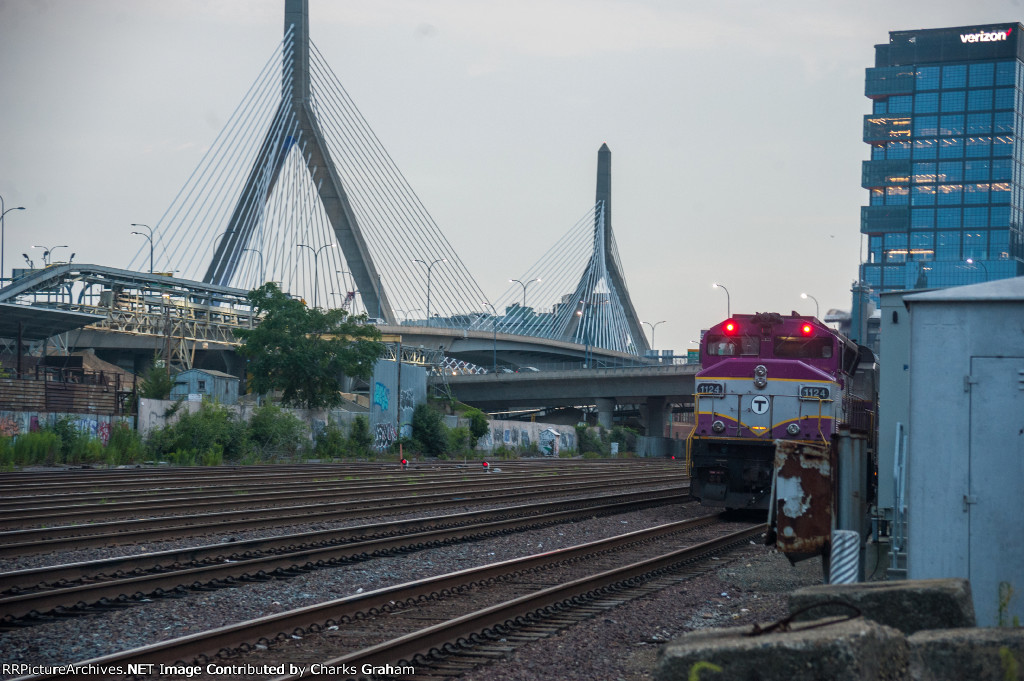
[994, 500]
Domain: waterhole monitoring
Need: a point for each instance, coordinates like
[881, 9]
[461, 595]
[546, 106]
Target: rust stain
[803, 497]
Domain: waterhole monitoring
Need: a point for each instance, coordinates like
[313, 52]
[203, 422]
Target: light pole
[47, 250]
[817, 308]
[316, 268]
[4, 212]
[150, 237]
[429, 268]
[728, 303]
[653, 327]
[524, 287]
[494, 330]
[263, 272]
[586, 335]
[972, 261]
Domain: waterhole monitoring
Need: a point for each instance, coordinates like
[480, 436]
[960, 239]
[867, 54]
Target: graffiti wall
[391, 407]
[548, 438]
[98, 425]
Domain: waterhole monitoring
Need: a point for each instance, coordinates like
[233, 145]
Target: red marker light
[486, 464]
[807, 329]
[730, 328]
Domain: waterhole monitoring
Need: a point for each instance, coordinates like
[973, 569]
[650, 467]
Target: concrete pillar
[655, 417]
[605, 411]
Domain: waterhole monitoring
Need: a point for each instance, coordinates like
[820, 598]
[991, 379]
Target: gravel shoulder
[622, 644]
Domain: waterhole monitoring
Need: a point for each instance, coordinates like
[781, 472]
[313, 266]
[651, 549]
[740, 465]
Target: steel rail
[70, 479]
[34, 541]
[504, 615]
[22, 496]
[42, 602]
[62, 574]
[93, 513]
[210, 643]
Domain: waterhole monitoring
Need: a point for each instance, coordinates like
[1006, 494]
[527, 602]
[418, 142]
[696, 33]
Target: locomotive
[765, 377]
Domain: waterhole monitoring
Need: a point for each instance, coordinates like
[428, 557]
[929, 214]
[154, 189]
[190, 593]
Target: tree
[479, 425]
[428, 430]
[303, 352]
[156, 381]
[359, 436]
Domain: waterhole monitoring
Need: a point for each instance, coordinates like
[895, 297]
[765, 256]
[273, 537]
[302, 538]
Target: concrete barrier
[975, 654]
[908, 605]
[840, 650]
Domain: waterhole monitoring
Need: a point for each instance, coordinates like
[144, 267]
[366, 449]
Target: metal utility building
[944, 177]
[216, 385]
[965, 459]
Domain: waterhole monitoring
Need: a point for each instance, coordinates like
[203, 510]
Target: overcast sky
[735, 127]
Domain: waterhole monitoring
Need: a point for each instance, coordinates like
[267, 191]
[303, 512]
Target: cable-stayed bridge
[297, 189]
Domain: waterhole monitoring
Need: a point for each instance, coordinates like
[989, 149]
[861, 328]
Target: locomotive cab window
[725, 346]
[803, 348]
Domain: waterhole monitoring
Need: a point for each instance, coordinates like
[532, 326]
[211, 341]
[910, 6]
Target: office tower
[946, 205]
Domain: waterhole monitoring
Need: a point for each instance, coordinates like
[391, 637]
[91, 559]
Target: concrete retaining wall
[874, 647]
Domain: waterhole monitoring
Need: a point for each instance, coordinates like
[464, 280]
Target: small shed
[217, 385]
[965, 455]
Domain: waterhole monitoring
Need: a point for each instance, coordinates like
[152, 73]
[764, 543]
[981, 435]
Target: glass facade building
[945, 182]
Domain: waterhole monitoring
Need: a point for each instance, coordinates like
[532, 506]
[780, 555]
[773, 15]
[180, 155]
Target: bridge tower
[296, 104]
[608, 288]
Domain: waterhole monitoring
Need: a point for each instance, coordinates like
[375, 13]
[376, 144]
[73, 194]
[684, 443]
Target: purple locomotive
[765, 377]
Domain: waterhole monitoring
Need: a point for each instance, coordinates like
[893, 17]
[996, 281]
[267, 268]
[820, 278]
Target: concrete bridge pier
[605, 411]
[655, 421]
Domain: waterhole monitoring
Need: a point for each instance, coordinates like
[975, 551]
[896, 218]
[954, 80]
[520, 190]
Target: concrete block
[839, 650]
[976, 654]
[909, 605]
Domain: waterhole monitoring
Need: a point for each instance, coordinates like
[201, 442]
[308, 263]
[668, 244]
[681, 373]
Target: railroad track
[35, 484]
[64, 589]
[18, 508]
[112, 533]
[172, 507]
[439, 626]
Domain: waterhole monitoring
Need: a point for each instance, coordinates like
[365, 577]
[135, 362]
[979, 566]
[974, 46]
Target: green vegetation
[429, 434]
[302, 352]
[209, 436]
[65, 442]
[273, 430]
[156, 381]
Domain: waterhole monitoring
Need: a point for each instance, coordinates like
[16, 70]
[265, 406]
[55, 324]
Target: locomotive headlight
[760, 376]
[718, 426]
[760, 370]
[792, 429]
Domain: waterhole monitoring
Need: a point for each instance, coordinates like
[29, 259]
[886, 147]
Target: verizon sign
[985, 36]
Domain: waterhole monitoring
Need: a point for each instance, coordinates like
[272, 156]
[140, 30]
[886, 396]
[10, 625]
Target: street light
[817, 309]
[524, 287]
[47, 250]
[728, 304]
[972, 261]
[653, 327]
[4, 212]
[429, 268]
[586, 334]
[150, 237]
[494, 329]
[263, 272]
[316, 268]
